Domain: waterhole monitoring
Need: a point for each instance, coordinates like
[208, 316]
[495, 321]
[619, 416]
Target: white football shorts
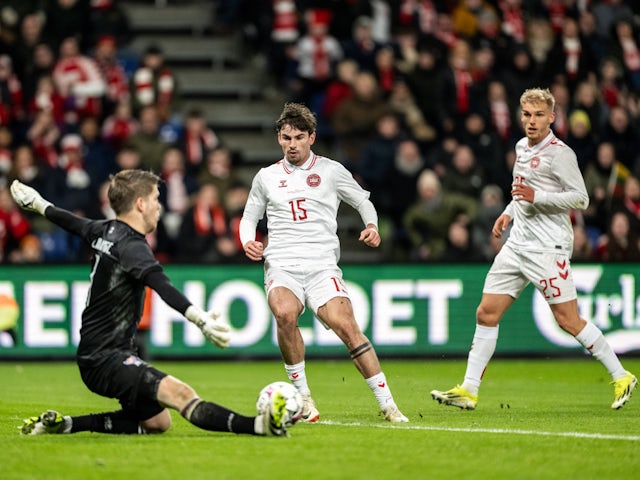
[549, 272]
[313, 285]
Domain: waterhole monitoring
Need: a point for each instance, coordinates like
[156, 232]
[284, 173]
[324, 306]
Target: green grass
[536, 419]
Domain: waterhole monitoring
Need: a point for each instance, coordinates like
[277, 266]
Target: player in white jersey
[300, 195]
[547, 184]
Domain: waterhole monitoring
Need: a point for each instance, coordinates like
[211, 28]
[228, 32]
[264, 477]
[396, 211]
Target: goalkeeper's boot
[393, 415]
[310, 413]
[458, 396]
[49, 422]
[274, 416]
[622, 390]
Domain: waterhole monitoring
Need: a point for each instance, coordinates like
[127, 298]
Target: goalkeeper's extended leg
[54, 422]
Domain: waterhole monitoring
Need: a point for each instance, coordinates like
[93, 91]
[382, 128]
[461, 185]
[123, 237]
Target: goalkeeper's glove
[216, 331]
[28, 198]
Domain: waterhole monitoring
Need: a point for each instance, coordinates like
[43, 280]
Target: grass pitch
[536, 419]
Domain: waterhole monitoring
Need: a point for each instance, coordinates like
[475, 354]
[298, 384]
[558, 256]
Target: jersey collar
[541, 145]
[308, 165]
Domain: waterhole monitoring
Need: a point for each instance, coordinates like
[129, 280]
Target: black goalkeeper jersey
[122, 259]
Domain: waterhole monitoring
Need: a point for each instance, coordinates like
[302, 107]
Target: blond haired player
[547, 184]
[300, 195]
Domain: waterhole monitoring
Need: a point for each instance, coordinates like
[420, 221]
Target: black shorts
[129, 379]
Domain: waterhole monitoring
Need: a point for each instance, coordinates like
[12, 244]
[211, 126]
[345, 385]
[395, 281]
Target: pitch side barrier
[405, 310]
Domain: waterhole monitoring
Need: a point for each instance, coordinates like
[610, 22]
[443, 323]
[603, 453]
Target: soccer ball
[292, 397]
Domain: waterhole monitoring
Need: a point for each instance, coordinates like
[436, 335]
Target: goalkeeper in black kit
[123, 265]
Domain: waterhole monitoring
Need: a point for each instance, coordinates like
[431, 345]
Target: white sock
[591, 338]
[379, 387]
[482, 348]
[298, 377]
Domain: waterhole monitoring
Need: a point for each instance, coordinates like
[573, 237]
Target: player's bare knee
[158, 424]
[485, 317]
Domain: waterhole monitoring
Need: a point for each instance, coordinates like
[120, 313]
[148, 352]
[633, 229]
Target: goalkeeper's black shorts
[131, 380]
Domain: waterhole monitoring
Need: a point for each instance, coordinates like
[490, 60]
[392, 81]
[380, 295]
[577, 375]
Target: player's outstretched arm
[216, 331]
[28, 198]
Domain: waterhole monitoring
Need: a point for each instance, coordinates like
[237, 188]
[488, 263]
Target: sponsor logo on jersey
[313, 180]
[283, 184]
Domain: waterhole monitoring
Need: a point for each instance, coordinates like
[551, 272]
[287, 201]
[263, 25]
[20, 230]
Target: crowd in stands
[419, 99]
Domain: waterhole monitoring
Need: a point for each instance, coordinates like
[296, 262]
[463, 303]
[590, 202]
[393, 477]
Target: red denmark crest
[535, 162]
[313, 180]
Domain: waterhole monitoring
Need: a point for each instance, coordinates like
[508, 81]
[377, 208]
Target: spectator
[620, 243]
[464, 176]
[488, 154]
[204, 232]
[11, 96]
[79, 81]
[629, 203]
[456, 87]
[99, 156]
[491, 207]
[355, 119]
[67, 18]
[412, 121]
[119, 126]
[423, 82]
[68, 184]
[427, 220]
[562, 109]
[117, 83]
[315, 54]
[459, 247]
[176, 189]
[43, 134]
[361, 46]
[587, 98]
[6, 140]
[601, 179]
[30, 36]
[583, 250]
[625, 47]
[378, 156]
[46, 98]
[26, 169]
[623, 134]
[570, 58]
[42, 64]
[501, 117]
[611, 83]
[13, 225]
[108, 19]
[153, 84]
[147, 139]
[341, 87]
[466, 14]
[197, 141]
[385, 70]
[540, 40]
[513, 23]
[219, 170]
[581, 139]
[520, 73]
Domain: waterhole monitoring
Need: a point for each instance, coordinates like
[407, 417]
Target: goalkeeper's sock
[216, 418]
[108, 422]
[298, 377]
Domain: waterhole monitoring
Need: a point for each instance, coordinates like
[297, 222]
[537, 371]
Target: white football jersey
[551, 169]
[301, 203]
